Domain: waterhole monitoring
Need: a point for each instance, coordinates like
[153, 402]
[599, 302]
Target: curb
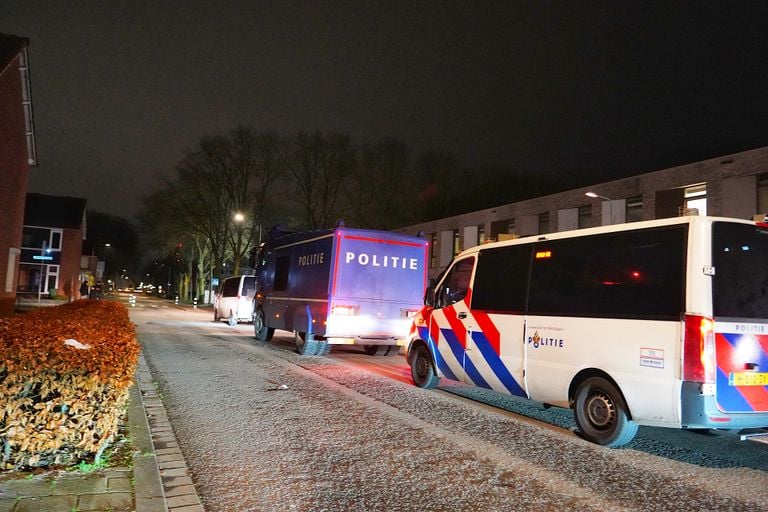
[167, 485]
[148, 486]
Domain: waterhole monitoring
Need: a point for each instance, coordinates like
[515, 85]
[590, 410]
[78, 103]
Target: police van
[340, 286]
[661, 323]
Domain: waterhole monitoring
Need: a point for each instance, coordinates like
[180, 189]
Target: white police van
[660, 323]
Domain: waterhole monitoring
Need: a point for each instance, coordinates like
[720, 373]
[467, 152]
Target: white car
[234, 301]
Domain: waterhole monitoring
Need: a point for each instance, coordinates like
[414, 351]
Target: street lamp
[594, 195]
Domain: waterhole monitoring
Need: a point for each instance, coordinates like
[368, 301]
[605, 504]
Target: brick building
[17, 154]
[730, 186]
[52, 245]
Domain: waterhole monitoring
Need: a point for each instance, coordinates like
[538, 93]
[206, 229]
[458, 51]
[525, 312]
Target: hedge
[65, 372]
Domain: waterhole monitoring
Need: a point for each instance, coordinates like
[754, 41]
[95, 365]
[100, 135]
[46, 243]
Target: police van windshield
[740, 258]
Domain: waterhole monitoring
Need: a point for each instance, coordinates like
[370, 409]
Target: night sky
[585, 91]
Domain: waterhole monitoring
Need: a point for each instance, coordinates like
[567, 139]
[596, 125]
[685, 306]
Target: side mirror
[429, 297]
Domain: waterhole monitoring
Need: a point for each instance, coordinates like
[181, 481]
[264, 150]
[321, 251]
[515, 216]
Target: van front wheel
[260, 329]
[422, 371]
[601, 414]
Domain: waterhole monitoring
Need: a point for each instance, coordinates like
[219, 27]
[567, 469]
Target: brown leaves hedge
[60, 404]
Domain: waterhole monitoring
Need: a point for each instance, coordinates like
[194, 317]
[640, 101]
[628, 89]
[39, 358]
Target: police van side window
[456, 284]
[628, 274]
[501, 279]
[281, 273]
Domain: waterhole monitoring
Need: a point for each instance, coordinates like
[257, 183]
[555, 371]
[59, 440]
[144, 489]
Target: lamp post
[238, 218]
[594, 195]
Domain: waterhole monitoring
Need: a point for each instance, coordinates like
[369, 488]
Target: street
[262, 428]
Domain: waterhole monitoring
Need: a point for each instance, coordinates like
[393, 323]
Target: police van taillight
[699, 349]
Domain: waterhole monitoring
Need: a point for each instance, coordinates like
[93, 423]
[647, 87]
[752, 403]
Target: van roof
[613, 228]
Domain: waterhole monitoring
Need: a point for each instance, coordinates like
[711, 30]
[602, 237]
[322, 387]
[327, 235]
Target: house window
[34, 238]
[544, 222]
[55, 239]
[37, 279]
[634, 211]
[762, 193]
[456, 242]
[502, 227]
[481, 234]
[585, 216]
[696, 197]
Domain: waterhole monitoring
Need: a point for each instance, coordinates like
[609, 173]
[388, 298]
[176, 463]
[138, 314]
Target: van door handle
[462, 315]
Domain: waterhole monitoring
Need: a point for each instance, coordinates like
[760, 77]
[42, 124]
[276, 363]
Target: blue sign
[43, 258]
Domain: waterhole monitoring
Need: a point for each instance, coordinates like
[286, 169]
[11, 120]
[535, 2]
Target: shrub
[65, 372]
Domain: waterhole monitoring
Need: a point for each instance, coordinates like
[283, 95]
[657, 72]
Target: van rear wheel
[382, 350]
[376, 350]
[260, 329]
[422, 370]
[306, 344]
[601, 414]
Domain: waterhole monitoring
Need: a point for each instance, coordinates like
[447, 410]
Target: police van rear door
[740, 308]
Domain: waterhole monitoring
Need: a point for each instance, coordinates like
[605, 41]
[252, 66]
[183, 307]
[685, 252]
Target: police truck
[340, 286]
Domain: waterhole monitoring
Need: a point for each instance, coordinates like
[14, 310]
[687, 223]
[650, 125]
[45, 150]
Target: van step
[753, 434]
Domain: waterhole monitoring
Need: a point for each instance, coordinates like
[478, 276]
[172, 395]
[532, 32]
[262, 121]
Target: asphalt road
[262, 428]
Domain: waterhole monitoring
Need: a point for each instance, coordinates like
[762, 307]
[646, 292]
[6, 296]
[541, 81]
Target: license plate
[748, 379]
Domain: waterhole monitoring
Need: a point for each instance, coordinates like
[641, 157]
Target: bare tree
[317, 166]
[378, 188]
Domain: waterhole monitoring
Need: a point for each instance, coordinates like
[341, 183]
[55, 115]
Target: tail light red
[699, 349]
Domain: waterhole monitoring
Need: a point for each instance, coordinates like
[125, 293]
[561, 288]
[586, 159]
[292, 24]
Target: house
[734, 185]
[51, 247]
[17, 154]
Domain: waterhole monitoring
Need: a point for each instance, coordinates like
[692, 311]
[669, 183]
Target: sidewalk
[158, 482]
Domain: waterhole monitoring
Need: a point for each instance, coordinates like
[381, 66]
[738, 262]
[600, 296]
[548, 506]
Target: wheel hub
[601, 410]
[422, 367]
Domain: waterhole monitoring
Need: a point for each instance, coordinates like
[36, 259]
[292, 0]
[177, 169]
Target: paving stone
[119, 484]
[29, 488]
[172, 464]
[174, 472]
[169, 457]
[168, 451]
[175, 481]
[181, 501]
[79, 485]
[180, 490]
[47, 503]
[190, 508]
[113, 501]
[166, 444]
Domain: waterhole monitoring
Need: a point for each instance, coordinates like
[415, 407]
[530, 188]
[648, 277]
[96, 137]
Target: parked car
[234, 300]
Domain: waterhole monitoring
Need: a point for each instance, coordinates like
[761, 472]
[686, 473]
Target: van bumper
[700, 411]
